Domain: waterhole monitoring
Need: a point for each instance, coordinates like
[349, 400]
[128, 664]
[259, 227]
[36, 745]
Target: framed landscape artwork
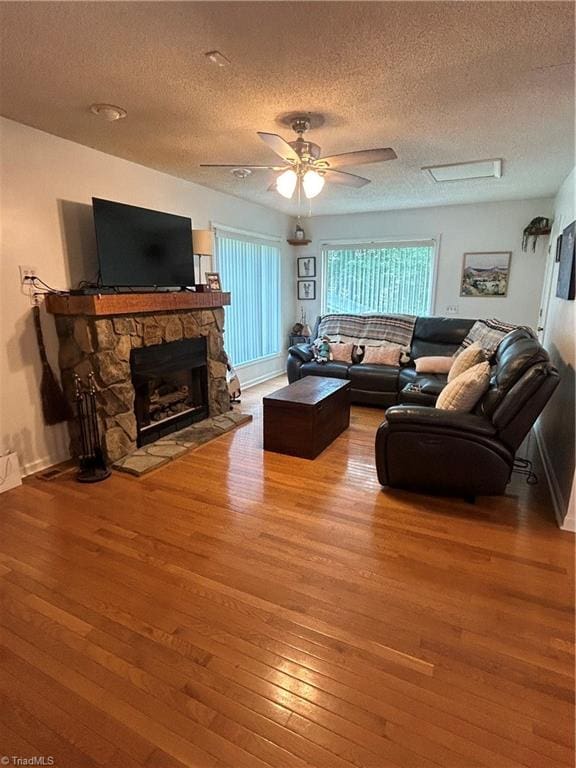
[306, 289]
[566, 277]
[485, 274]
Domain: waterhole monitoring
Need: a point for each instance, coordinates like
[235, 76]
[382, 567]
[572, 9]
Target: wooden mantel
[134, 303]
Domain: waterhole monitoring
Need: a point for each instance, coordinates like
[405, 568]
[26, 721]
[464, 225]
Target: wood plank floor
[243, 609]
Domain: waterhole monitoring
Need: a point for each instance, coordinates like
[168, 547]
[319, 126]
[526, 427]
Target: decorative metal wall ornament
[93, 467]
[537, 227]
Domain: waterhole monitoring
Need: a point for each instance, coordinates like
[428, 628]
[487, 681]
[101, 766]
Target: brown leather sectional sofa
[424, 448]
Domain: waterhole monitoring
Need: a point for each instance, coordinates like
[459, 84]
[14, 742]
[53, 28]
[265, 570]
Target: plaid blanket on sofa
[368, 330]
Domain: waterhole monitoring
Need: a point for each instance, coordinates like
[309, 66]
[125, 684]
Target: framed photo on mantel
[306, 290]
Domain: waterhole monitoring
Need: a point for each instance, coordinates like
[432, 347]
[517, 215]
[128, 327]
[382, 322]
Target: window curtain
[389, 278]
[250, 270]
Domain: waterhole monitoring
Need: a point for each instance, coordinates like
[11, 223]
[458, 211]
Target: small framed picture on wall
[306, 290]
[307, 266]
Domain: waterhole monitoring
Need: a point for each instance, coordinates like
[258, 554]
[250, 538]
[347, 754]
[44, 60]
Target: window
[250, 269]
[392, 278]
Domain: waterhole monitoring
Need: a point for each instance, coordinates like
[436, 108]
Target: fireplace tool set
[92, 464]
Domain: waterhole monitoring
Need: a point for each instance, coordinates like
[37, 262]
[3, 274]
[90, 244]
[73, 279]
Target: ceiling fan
[303, 166]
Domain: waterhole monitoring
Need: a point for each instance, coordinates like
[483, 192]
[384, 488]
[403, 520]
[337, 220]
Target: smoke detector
[241, 173]
[108, 112]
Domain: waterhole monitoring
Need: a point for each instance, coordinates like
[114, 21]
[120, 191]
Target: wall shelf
[293, 241]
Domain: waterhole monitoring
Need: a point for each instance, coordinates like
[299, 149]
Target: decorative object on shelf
[558, 248]
[213, 281]
[299, 233]
[54, 406]
[307, 266]
[537, 227]
[305, 331]
[566, 282]
[485, 274]
[306, 290]
[202, 245]
[93, 467]
[301, 333]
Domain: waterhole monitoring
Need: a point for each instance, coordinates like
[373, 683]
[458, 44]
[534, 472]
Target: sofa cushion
[333, 369]
[439, 335]
[434, 364]
[518, 352]
[383, 354]
[342, 352]
[472, 355]
[463, 392]
[375, 378]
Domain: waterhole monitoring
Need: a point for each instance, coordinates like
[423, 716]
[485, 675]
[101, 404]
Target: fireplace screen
[170, 382]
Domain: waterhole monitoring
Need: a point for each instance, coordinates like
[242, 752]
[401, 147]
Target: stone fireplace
[171, 387]
[158, 361]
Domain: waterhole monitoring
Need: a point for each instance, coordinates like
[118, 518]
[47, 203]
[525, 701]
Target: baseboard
[558, 501]
[37, 466]
[262, 379]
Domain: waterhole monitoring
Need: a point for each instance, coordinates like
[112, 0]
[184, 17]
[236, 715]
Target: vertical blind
[250, 270]
[395, 278]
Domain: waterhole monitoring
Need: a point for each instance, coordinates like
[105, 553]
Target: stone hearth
[103, 345]
[166, 449]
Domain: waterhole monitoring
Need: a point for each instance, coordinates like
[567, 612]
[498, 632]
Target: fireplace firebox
[171, 387]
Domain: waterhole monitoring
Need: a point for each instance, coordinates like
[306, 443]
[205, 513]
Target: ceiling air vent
[475, 169]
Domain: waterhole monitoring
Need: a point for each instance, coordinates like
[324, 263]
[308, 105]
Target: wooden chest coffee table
[305, 417]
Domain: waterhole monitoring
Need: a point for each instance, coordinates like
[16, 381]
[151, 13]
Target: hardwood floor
[243, 609]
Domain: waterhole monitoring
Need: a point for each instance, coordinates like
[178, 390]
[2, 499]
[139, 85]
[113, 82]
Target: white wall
[46, 188]
[555, 428]
[461, 228]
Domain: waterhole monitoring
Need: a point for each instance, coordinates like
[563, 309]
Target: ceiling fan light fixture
[313, 182]
[286, 183]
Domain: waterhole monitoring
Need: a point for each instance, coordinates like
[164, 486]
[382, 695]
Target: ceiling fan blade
[362, 157]
[346, 179]
[242, 165]
[280, 146]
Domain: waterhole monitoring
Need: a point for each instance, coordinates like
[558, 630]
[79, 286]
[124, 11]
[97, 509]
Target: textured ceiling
[438, 82]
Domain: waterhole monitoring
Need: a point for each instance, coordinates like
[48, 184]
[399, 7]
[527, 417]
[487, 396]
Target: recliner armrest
[302, 352]
[436, 418]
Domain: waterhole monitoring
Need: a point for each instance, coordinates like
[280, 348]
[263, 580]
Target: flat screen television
[140, 248]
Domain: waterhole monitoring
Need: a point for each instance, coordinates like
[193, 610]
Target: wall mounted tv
[140, 248]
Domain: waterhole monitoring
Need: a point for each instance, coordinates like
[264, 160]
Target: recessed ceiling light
[108, 112]
[475, 169]
[215, 57]
[241, 173]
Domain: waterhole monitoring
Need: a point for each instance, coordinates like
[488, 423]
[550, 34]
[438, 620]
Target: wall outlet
[26, 272]
[452, 309]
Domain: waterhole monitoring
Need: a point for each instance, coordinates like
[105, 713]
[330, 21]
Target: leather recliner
[469, 454]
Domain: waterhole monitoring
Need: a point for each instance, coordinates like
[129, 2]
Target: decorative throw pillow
[463, 392]
[434, 364]
[384, 354]
[488, 333]
[342, 352]
[472, 355]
